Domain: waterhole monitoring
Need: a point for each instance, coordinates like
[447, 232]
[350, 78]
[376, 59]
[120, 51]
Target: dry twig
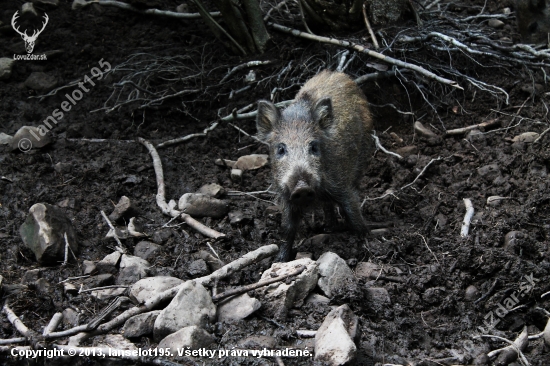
[467, 217]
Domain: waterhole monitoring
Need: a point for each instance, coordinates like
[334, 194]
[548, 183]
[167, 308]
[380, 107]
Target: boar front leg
[351, 205]
[291, 220]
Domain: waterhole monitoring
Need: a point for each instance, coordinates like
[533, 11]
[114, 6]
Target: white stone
[191, 337]
[279, 297]
[191, 306]
[237, 307]
[150, 287]
[334, 273]
[333, 344]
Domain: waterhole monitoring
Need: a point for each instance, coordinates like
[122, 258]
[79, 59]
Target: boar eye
[280, 150]
[314, 148]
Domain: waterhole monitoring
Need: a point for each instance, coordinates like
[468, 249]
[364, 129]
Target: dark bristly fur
[318, 146]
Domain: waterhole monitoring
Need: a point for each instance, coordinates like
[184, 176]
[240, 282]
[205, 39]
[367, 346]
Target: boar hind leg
[291, 220]
[351, 206]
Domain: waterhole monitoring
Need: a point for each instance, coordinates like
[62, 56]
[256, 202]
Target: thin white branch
[126, 6]
[467, 217]
[379, 146]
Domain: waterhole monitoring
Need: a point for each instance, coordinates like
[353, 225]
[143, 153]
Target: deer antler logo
[29, 40]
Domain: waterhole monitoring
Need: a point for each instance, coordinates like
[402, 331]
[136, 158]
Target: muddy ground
[429, 320]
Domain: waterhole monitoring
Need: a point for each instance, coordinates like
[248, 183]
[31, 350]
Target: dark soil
[429, 319]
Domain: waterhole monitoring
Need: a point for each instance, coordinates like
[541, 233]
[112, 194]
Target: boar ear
[322, 113]
[266, 119]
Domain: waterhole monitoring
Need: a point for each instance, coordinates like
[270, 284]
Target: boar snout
[302, 194]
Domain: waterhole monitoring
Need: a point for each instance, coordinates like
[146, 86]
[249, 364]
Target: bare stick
[101, 288]
[305, 333]
[467, 217]
[203, 229]
[245, 65]
[489, 292]
[545, 294]
[12, 340]
[66, 250]
[235, 266]
[303, 16]
[181, 92]
[161, 200]
[462, 130]
[379, 146]
[542, 134]
[247, 134]
[511, 352]
[15, 321]
[280, 5]
[253, 286]
[165, 13]
[114, 232]
[364, 50]
[422, 172]
[367, 23]
[52, 325]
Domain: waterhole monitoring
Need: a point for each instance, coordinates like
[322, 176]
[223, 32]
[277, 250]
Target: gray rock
[140, 325]
[70, 288]
[41, 81]
[334, 273]
[104, 279]
[471, 293]
[132, 269]
[53, 3]
[317, 299]
[150, 287]
[88, 268]
[236, 175]
[117, 341]
[377, 297]
[31, 276]
[4, 139]
[6, 66]
[43, 232]
[71, 317]
[279, 297]
[200, 205]
[489, 172]
[123, 209]
[28, 8]
[213, 263]
[212, 190]
[512, 239]
[301, 255]
[191, 306]
[495, 23]
[146, 249]
[367, 270]
[191, 337]
[162, 235]
[109, 263]
[237, 307]
[43, 287]
[28, 137]
[182, 8]
[333, 343]
[108, 293]
[236, 217]
[197, 268]
[423, 131]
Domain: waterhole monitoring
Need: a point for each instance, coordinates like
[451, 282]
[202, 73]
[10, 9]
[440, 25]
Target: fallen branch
[53, 324]
[510, 353]
[121, 5]
[467, 217]
[120, 247]
[367, 24]
[16, 322]
[243, 289]
[12, 340]
[462, 130]
[364, 50]
[235, 266]
[161, 192]
[421, 172]
[379, 146]
[245, 65]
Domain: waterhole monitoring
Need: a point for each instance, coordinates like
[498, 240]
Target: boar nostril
[302, 195]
